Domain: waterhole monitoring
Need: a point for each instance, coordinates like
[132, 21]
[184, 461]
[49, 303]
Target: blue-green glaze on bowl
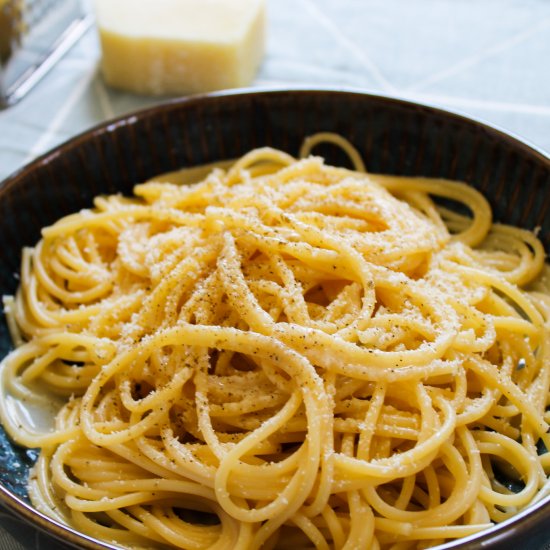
[15, 463]
[394, 136]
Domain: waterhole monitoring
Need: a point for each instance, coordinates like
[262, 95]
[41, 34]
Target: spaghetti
[284, 354]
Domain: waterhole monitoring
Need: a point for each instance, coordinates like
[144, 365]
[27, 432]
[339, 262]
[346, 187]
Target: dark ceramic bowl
[394, 136]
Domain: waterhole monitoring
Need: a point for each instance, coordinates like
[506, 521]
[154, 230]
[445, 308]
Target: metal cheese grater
[34, 34]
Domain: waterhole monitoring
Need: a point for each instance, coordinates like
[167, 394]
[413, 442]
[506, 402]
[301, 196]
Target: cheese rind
[167, 47]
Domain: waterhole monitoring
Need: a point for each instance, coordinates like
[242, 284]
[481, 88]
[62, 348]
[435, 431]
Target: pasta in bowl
[283, 354]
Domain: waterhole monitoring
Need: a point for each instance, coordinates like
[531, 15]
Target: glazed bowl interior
[394, 137]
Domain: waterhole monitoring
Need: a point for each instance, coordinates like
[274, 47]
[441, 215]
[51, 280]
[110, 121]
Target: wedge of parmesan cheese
[167, 47]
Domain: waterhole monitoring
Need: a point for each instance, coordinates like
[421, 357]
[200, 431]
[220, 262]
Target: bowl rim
[168, 104]
[68, 534]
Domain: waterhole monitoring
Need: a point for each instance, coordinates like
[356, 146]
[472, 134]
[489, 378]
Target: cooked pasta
[282, 354]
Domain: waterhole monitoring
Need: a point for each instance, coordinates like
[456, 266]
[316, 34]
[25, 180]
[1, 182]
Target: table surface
[483, 58]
